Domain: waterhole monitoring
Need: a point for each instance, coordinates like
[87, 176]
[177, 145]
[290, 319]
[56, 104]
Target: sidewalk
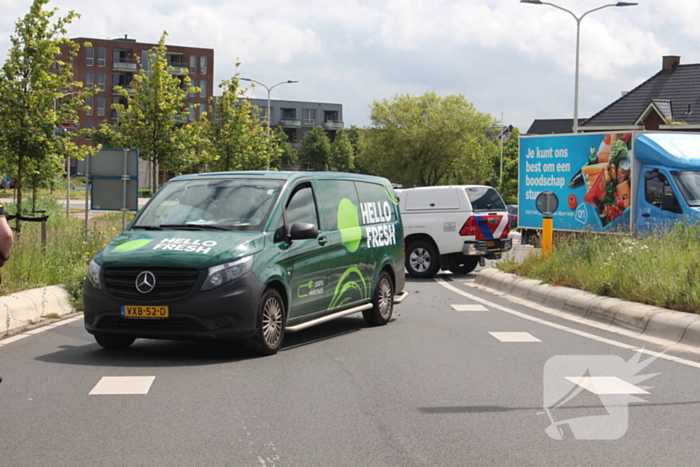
[31, 307]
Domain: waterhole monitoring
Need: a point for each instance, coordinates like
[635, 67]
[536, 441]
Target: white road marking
[602, 385]
[119, 385]
[12, 339]
[469, 308]
[514, 337]
[587, 335]
[38, 330]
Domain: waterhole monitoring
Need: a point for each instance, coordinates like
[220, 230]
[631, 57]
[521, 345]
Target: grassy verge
[65, 258]
[661, 270]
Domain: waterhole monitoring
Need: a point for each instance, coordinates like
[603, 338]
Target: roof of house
[673, 93]
[551, 126]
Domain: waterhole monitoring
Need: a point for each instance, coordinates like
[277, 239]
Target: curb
[27, 308]
[676, 326]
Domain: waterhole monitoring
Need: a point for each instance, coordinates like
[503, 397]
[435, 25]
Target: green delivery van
[249, 256]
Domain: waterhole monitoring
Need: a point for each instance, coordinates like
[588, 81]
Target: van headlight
[225, 273]
[94, 274]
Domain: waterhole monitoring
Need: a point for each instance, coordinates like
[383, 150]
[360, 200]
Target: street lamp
[269, 90]
[578, 34]
[55, 107]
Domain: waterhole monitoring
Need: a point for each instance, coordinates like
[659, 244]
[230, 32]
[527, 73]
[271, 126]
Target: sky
[512, 60]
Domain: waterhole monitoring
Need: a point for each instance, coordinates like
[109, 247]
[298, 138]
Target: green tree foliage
[287, 156]
[509, 188]
[154, 117]
[315, 150]
[237, 141]
[342, 153]
[428, 140]
[38, 92]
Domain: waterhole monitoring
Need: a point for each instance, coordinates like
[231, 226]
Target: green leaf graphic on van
[349, 225]
[132, 245]
[392, 195]
[344, 289]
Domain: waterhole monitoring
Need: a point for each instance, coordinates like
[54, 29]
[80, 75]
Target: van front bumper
[228, 312]
[492, 247]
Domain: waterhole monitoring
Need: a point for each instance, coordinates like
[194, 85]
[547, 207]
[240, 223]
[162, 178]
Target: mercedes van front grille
[169, 283]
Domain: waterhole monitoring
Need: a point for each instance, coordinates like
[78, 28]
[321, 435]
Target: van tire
[382, 302]
[269, 333]
[114, 341]
[464, 264]
[422, 259]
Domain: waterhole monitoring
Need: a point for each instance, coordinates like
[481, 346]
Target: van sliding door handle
[322, 241]
[646, 214]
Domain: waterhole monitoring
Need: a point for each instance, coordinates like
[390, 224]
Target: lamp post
[269, 91]
[55, 107]
[578, 34]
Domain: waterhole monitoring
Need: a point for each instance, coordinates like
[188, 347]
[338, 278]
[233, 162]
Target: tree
[509, 188]
[237, 139]
[38, 94]
[433, 140]
[287, 156]
[315, 150]
[342, 153]
[154, 117]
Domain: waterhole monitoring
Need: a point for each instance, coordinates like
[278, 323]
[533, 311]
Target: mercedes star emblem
[145, 282]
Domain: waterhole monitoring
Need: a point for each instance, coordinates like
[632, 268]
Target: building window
[101, 56]
[309, 116]
[100, 106]
[331, 116]
[89, 56]
[101, 81]
[202, 109]
[203, 65]
[191, 115]
[88, 79]
[88, 126]
[193, 64]
[88, 104]
[202, 88]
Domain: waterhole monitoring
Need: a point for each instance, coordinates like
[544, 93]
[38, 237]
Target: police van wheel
[114, 342]
[270, 330]
[422, 259]
[382, 302]
[464, 265]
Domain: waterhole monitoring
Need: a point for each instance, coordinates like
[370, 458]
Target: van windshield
[689, 184]
[214, 204]
[484, 198]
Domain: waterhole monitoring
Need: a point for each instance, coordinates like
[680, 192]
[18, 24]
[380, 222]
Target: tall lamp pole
[269, 91]
[578, 34]
[55, 108]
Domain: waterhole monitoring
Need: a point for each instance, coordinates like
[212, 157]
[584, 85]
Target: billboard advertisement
[590, 174]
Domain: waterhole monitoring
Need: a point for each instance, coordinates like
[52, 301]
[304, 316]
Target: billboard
[590, 174]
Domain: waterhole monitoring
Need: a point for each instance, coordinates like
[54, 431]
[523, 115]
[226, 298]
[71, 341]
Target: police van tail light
[469, 228]
[227, 272]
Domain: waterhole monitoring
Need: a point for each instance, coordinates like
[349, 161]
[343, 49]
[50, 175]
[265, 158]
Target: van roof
[674, 150]
[283, 175]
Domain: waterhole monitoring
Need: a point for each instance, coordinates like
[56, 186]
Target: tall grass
[661, 270]
[65, 258]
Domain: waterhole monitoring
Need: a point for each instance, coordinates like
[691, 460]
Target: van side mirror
[670, 203]
[302, 231]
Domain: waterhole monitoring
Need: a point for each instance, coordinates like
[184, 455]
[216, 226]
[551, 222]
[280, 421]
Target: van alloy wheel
[382, 302]
[270, 327]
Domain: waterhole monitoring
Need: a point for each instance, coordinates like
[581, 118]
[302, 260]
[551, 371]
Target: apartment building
[298, 118]
[113, 62]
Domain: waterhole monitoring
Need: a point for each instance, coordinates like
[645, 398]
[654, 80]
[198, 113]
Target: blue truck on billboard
[611, 182]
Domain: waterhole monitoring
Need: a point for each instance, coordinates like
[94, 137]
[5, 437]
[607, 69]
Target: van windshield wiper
[191, 227]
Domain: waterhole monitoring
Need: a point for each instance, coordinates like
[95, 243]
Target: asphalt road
[438, 386]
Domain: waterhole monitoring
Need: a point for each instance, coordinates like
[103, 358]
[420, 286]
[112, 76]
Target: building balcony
[128, 89]
[178, 68]
[332, 125]
[294, 122]
[127, 64]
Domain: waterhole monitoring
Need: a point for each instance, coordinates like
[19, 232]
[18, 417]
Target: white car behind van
[452, 228]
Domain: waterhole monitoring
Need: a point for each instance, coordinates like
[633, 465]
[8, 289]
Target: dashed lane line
[587, 335]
